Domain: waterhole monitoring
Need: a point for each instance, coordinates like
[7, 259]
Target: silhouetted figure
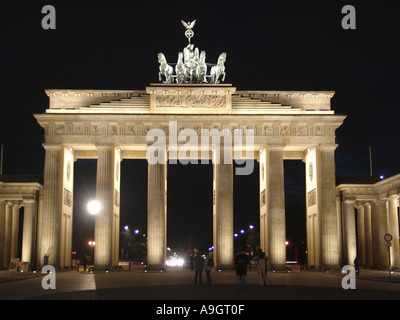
[261, 259]
[198, 268]
[241, 262]
[357, 265]
[209, 265]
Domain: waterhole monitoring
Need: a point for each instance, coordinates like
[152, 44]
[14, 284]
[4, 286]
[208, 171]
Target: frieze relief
[190, 101]
[141, 129]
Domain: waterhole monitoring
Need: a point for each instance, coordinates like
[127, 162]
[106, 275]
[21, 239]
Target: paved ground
[179, 285]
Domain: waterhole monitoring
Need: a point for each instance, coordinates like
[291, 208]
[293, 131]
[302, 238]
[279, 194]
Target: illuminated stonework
[115, 125]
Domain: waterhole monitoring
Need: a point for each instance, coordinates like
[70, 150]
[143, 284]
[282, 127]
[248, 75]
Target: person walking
[209, 263]
[261, 259]
[198, 268]
[241, 262]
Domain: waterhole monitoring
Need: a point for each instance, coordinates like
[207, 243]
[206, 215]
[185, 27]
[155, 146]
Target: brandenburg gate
[190, 116]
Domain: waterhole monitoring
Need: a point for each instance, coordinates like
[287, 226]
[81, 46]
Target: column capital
[104, 146]
[278, 147]
[48, 146]
[327, 147]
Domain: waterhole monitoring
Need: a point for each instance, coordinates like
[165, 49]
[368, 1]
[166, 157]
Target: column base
[102, 268]
[225, 267]
[155, 268]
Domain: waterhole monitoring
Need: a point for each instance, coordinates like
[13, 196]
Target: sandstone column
[223, 210]
[380, 226]
[14, 231]
[2, 231]
[157, 214]
[349, 232]
[104, 219]
[48, 244]
[7, 235]
[263, 201]
[330, 243]
[29, 231]
[276, 209]
[368, 235]
[394, 231]
[361, 234]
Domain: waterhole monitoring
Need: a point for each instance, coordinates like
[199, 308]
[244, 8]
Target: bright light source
[251, 227]
[242, 231]
[175, 262]
[93, 207]
[235, 235]
[382, 177]
[136, 231]
[126, 228]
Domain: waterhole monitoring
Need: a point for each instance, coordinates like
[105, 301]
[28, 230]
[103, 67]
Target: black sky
[270, 45]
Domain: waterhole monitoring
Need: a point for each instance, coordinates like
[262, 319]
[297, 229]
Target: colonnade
[13, 197]
[365, 224]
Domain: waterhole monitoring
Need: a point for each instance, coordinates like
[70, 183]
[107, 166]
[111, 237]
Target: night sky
[270, 45]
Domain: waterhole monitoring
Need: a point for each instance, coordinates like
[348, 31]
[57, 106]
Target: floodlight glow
[235, 235]
[93, 207]
[251, 227]
[136, 231]
[126, 228]
[175, 262]
[382, 177]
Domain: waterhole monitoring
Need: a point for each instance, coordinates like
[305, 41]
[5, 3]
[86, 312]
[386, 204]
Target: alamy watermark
[226, 145]
[49, 280]
[349, 280]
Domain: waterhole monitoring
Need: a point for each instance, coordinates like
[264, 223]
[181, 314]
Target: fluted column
[394, 231]
[104, 219]
[14, 231]
[2, 230]
[223, 211]
[380, 225]
[51, 213]
[263, 201]
[157, 215]
[368, 235]
[7, 235]
[29, 230]
[349, 232]
[330, 250]
[276, 209]
[361, 234]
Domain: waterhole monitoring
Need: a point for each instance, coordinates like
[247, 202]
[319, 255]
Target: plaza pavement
[178, 285]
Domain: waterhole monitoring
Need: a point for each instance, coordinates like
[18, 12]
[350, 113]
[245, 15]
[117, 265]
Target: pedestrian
[261, 259]
[357, 265]
[241, 262]
[198, 268]
[209, 263]
[84, 261]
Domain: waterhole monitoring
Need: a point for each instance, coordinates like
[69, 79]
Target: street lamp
[93, 207]
[91, 244]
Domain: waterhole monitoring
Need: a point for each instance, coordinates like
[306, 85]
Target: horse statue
[219, 69]
[180, 69]
[202, 68]
[165, 69]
